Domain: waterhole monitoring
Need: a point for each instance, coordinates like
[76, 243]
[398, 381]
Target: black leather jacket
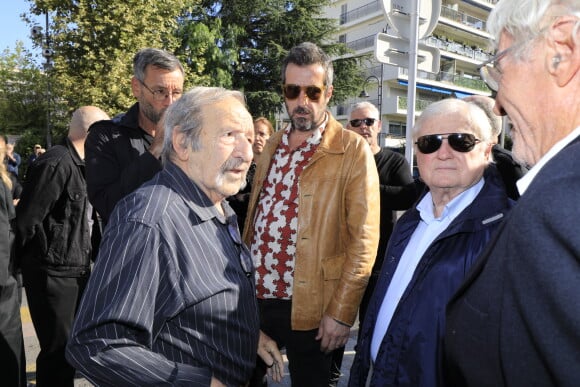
[52, 225]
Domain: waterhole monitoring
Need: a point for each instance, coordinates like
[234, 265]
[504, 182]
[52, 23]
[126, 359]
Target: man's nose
[244, 149]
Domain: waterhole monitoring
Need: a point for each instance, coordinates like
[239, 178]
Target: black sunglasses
[460, 142]
[368, 122]
[293, 91]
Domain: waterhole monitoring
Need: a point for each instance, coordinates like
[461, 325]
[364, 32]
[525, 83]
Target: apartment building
[460, 35]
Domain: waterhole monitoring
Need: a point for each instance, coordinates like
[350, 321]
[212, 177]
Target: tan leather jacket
[338, 226]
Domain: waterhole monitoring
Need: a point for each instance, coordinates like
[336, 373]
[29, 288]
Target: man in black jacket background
[123, 153]
[54, 229]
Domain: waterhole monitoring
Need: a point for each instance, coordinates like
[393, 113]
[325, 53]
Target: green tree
[231, 43]
[93, 43]
[250, 38]
[23, 102]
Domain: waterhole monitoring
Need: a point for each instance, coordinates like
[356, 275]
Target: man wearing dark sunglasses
[312, 224]
[431, 248]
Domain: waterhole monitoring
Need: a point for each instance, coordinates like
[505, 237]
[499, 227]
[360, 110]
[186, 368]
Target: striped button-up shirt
[171, 300]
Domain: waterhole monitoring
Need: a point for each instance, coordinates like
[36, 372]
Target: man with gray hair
[172, 297]
[515, 321]
[124, 152]
[56, 238]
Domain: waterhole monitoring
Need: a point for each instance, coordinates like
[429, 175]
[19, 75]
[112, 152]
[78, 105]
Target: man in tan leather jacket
[313, 223]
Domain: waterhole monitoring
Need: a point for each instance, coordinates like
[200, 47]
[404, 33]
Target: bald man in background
[55, 243]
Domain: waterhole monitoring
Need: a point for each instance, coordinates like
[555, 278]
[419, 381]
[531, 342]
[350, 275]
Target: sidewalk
[32, 348]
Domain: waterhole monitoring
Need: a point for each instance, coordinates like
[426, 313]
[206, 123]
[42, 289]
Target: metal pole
[46, 70]
[413, 47]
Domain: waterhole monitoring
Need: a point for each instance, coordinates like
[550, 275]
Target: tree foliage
[94, 42]
[23, 104]
[236, 44]
[252, 37]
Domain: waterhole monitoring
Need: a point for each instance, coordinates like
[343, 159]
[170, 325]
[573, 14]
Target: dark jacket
[118, 161]
[6, 235]
[12, 355]
[509, 169]
[411, 351]
[515, 321]
[397, 193]
[52, 227]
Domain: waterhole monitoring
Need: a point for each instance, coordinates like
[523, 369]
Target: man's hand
[270, 354]
[332, 334]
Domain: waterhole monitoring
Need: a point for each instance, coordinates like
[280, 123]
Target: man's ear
[135, 86]
[563, 55]
[329, 91]
[179, 143]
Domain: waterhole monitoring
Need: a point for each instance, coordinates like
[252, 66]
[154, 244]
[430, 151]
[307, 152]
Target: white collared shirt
[525, 181]
[427, 230]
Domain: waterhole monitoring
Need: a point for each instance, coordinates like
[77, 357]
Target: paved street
[32, 349]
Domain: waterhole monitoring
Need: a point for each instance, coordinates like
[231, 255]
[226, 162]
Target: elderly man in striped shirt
[172, 297]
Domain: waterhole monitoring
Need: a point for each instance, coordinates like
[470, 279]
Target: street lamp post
[47, 53]
[44, 40]
[364, 94]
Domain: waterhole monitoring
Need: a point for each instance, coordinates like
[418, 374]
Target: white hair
[523, 19]
[478, 121]
[364, 105]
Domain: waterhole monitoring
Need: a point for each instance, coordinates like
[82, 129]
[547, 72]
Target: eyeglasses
[357, 122]
[460, 142]
[312, 92]
[245, 259]
[162, 94]
[489, 71]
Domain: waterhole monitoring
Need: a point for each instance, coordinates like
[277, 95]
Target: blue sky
[12, 28]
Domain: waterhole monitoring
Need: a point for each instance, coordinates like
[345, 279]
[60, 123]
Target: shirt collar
[525, 181]
[453, 208]
[195, 198]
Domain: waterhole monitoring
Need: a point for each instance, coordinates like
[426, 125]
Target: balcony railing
[361, 44]
[445, 77]
[420, 104]
[360, 12]
[462, 18]
[457, 48]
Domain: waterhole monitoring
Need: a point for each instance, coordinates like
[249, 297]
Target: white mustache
[233, 163]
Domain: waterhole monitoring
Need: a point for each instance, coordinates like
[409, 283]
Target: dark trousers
[52, 302]
[308, 365]
[12, 358]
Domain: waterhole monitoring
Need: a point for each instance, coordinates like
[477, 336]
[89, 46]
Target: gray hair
[186, 116]
[478, 121]
[523, 19]
[306, 54]
[154, 57]
[364, 105]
